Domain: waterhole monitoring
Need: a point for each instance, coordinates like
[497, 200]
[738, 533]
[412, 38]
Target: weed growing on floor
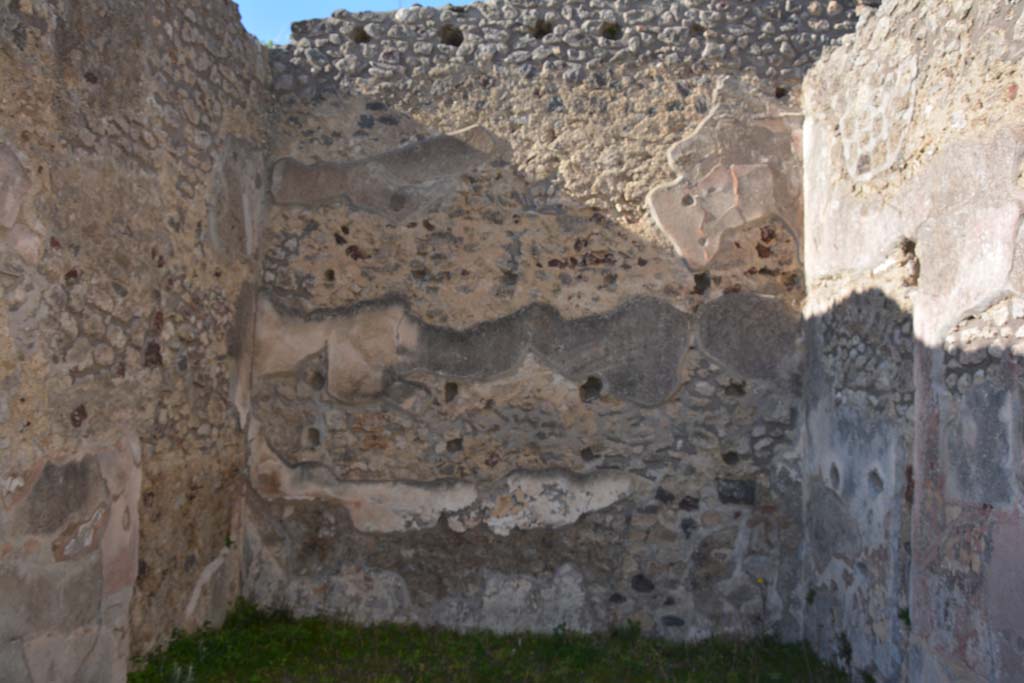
[260, 647]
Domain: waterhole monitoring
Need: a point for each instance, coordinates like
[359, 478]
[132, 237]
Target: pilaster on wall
[912, 163]
[131, 180]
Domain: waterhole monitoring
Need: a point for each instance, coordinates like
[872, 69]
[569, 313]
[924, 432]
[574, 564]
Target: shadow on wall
[913, 481]
[477, 408]
[858, 421]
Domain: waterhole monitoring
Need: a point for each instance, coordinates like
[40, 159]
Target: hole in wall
[451, 390]
[359, 35]
[329, 276]
[833, 476]
[454, 445]
[698, 29]
[689, 503]
[590, 390]
[781, 93]
[731, 458]
[317, 380]
[909, 248]
[688, 200]
[701, 283]
[641, 584]
[875, 482]
[397, 201]
[610, 30]
[313, 437]
[736, 389]
[450, 35]
[541, 28]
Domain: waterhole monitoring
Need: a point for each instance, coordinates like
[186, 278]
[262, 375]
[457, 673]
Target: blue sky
[272, 19]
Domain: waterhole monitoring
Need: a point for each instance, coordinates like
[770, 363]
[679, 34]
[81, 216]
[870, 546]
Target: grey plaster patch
[13, 667]
[238, 208]
[355, 593]
[13, 185]
[545, 603]
[61, 492]
[831, 529]
[982, 443]
[756, 336]
[394, 183]
[636, 350]
[44, 598]
[737, 491]
[1004, 592]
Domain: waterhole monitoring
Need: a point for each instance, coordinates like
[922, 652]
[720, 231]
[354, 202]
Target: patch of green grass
[259, 647]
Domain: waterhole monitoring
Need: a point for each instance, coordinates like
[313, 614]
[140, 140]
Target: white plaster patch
[374, 506]
[537, 500]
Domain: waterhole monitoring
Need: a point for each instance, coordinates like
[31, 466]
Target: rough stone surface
[502, 40]
[489, 317]
[912, 157]
[132, 187]
[495, 363]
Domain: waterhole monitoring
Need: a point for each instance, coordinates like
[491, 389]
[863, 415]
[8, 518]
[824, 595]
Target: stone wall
[489, 320]
[587, 118]
[913, 205]
[131, 174]
[478, 406]
[507, 334]
[774, 40]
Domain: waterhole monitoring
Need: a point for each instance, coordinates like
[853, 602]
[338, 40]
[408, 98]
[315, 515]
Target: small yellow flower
[760, 580]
